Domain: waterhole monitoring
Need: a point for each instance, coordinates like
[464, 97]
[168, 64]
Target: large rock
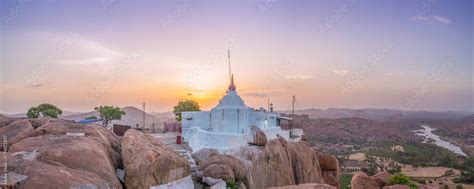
[362, 181]
[279, 163]
[221, 171]
[110, 141]
[237, 167]
[329, 168]
[15, 131]
[204, 154]
[147, 162]
[50, 158]
[421, 186]
[258, 136]
[76, 152]
[46, 174]
[304, 162]
[306, 186]
[5, 120]
[398, 186]
[38, 122]
[382, 178]
[327, 161]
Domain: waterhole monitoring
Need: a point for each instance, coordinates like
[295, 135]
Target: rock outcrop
[147, 162]
[5, 120]
[306, 186]
[329, 168]
[222, 171]
[52, 158]
[231, 164]
[109, 140]
[43, 174]
[362, 181]
[204, 154]
[382, 178]
[258, 136]
[279, 163]
[15, 131]
[74, 152]
[398, 186]
[420, 186]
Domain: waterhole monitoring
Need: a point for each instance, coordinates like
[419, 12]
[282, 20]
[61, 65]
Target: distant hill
[381, 114]
[132, 117]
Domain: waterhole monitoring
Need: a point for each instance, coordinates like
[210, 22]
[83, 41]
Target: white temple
[228, 124]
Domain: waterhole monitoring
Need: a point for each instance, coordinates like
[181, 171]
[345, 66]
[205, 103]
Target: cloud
[36, 85]
[84, 51]
[409, 72]
[340, 72]
[393, 73]
[261, 94]
[299, 76]
[419, 18]
[438, 19]
[442, 19]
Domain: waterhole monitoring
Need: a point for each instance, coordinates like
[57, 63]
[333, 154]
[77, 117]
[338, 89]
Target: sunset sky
[78, 54]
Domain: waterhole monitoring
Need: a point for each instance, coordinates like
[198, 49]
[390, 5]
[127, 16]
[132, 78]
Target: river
[427, 133]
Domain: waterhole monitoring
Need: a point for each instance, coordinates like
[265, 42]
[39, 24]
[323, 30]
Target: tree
[185, 106]
[399, 178]
[44, 110]
[402, 179]
[109, 113]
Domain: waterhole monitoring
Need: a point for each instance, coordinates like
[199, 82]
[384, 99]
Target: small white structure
[228, 124]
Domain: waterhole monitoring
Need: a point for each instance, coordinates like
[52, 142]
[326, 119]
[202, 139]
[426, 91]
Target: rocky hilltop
[56, 153]
[277, 163]
[52, 153]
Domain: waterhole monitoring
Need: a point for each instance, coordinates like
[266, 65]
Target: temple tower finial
[230, 71]
[232, 86]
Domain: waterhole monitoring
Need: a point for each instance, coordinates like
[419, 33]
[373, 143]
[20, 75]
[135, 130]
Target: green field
[418, 154]
[345, 181]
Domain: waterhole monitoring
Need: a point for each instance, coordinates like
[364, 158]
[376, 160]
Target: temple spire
[232, 86]
[231, 76]
[230, 71]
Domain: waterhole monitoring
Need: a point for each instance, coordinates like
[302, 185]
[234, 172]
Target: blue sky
[408, 54]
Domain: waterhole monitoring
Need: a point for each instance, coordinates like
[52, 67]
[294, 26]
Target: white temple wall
[230, 120]
[274, 132]
[198, 119]
[199, 139]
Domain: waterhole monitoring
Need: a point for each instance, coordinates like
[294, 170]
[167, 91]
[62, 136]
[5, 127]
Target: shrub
[399, 178]
[91, 117]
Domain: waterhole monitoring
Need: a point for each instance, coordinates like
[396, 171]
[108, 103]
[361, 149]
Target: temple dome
[231, 99]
